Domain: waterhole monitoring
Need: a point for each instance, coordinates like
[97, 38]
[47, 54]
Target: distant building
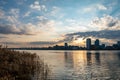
[115, 46]
[118, 43]
[88, 43]
[103, 46]
[97, 43]
[66, 44]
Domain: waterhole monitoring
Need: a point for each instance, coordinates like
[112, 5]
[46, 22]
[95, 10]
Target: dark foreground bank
[15, 65]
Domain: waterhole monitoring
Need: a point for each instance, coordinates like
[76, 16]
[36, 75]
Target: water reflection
[89, 60]
[84, 65]
[93, 57]
[97, 57]
[118, 54]
[68, 59]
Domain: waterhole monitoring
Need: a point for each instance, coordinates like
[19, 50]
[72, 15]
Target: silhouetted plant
[15, 65]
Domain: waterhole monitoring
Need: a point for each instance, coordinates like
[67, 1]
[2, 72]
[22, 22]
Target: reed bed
[15, 65]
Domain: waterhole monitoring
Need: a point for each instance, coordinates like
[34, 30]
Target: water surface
[82, 65]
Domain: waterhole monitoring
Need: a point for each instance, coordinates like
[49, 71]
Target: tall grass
[15, 65]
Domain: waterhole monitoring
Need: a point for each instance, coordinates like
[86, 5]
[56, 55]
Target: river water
[82, 65]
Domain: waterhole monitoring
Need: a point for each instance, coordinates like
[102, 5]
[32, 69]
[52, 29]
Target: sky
[36, 23]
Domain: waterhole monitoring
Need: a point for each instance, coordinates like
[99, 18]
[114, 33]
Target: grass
[15, 65]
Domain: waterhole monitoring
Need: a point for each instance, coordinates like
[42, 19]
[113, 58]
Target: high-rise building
[66, 44]
[97, 42]
[88, 43]
[118, 43]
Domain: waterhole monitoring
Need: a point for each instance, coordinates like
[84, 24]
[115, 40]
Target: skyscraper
[97, 42]
[118, 43]
[88, 43]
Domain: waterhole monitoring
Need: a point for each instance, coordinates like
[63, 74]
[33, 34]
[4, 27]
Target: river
[82, 65]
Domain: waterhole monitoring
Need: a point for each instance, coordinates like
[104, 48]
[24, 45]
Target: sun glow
[79, 42]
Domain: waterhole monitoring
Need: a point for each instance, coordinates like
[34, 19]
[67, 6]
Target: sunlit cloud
[27, 14]
[94, 7]
[15, 12]
[106, 22]
[41, 18]
[36, 5]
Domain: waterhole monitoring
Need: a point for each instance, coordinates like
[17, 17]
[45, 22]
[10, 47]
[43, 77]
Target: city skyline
[41, 23]
[97, 45]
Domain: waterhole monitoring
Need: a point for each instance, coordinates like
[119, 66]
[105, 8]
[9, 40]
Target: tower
[88, 43]
[66, 44]
[97, 42]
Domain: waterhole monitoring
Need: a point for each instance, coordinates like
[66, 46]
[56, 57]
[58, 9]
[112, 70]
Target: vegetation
[15, 65]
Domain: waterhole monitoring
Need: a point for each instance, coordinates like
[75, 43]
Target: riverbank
[15, 65]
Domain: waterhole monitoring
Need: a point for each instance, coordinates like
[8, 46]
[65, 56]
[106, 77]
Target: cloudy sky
[26, 23]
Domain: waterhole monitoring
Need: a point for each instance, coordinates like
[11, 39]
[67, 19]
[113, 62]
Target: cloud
[6, 29]
[41, 18]
[2, 37]
[10, 17]
[10, 24]
[34, 43]
[75, 25]
[47, 25]
[11, 43]
[106, 22]
[2, 14]
[42, 43]
[94, 7]
[14, 26]
[36, 5]
[65, 39]
[107, 34]
[56, 12]
[27, 29]
[15, 12]
[101, 7]
[27, 14]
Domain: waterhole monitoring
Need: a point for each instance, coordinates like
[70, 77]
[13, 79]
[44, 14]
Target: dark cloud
[7, 29]
[66, 39]
[12, 29]
[3, 37]
[40, 43]
[108, 34]
[11, 43]
[107, 22]
[43, 43]
[112, 24]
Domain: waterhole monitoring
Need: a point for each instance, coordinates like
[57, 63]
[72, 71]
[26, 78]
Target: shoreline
[70, 49]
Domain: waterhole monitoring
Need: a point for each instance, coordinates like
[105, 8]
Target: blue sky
[48, 22]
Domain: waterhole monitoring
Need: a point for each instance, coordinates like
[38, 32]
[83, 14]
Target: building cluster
[66, 47]
[97, 46]
[89, 46]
